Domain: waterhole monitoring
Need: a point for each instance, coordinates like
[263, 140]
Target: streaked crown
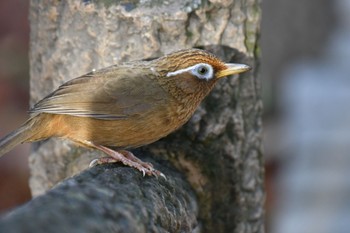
[187, 58]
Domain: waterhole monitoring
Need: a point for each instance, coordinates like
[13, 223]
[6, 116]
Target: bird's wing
[109, 94]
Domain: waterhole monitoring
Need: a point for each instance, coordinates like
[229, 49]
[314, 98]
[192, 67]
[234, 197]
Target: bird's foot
[128, 159]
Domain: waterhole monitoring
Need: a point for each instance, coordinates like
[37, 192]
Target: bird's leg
[132, 157]
[127, 158]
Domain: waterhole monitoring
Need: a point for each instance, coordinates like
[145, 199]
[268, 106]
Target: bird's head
[198, 63]
[195, 70]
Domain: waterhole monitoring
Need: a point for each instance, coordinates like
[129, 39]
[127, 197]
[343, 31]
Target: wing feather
[108, 94]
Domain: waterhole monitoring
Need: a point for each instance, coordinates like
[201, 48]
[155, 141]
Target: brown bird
[125, 106]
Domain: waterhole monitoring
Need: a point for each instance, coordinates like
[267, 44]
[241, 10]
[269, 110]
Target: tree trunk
[219, 150]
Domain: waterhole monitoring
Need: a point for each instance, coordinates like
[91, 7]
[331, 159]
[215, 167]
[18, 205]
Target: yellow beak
[232, 68]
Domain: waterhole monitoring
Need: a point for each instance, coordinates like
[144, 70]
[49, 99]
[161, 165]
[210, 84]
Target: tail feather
[18, 136]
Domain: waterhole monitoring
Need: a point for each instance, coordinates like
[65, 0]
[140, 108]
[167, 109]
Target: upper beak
[232, 68]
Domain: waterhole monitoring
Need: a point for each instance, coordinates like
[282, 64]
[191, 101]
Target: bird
[125, 106]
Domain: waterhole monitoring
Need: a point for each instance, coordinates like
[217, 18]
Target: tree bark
[109, 199]
[219, 150]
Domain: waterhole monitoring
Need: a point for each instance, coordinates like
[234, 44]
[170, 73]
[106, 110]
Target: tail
[18, 136]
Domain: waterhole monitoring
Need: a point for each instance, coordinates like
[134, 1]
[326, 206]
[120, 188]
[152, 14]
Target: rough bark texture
[109, 199]
[219, 150]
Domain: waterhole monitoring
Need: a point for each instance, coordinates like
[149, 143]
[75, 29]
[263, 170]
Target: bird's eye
[203, 71]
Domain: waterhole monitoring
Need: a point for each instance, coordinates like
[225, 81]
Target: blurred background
[306, 88]
[14, 99]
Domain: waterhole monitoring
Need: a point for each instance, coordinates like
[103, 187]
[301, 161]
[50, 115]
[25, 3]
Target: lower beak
[231, 69]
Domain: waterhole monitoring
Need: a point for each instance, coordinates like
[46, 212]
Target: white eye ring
[201, 71]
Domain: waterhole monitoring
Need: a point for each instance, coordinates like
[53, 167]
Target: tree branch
[110, 198]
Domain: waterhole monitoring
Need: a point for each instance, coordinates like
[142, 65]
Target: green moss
[250, 41]
[257, 51]
[189, 34]
[250, 29]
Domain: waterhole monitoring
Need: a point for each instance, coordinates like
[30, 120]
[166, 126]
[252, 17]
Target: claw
[128, 159]
[93, 163]
[162, 175]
